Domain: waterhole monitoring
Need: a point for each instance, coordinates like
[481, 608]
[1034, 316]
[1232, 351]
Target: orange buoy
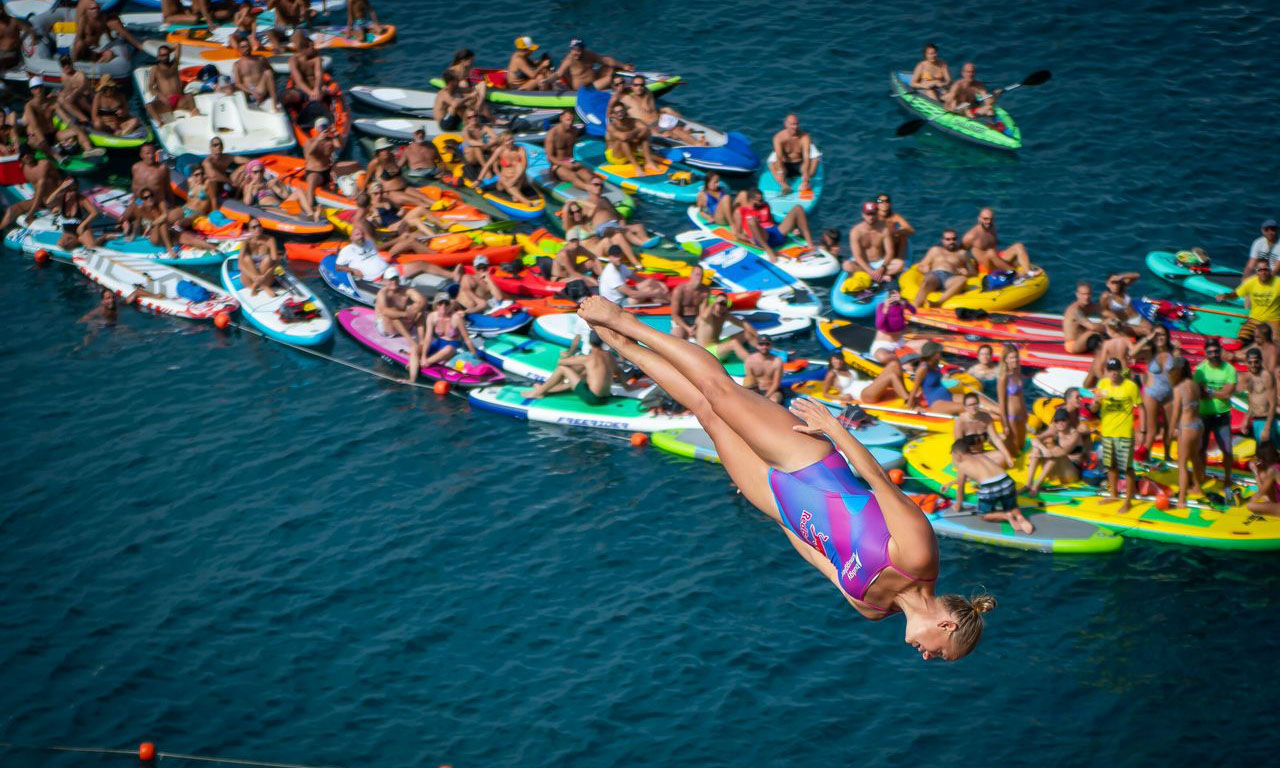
[146, 751]
[221, 320]
[639, 438]
[930, 503]
[441, 387]
[897, 475]
[42, 256]
[1162, 500]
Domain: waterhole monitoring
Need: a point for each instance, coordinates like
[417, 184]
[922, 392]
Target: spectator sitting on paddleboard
[614, 286]
[583, 67]
[627, 140]
[872, 240]
[997, 493]
[755, 220]
[945, 267]
[1058, 452]
[523, 74]
[259, 258]
[446, 331]
[983, 242]
[589, 375]
[794, 154]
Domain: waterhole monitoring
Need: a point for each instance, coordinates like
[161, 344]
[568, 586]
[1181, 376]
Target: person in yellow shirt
[1116, 399]
[1261, 294]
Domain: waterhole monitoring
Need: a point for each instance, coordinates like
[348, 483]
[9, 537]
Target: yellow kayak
[1020, 293]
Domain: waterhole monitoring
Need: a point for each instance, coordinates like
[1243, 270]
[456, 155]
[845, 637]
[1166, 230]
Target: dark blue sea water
[232, 548]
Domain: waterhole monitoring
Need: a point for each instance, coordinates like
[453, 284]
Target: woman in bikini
[262, 192]
[385, 169]
[714, 202]
[1013, 403]
[510, 163]
[75, 214]
[446, 332]
[862, 533]
[1267, 469]
[259, 257]
[1186, 414]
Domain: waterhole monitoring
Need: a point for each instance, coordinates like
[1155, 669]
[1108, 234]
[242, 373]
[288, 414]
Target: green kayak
[971, 129]
[110, 140]
[564, 98]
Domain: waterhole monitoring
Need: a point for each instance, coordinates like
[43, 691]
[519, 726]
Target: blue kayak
[722, 151]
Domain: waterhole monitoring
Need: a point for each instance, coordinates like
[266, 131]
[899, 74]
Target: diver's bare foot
[599, 311]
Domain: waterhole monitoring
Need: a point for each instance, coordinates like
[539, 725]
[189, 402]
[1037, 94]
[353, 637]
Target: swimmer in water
[864, 535]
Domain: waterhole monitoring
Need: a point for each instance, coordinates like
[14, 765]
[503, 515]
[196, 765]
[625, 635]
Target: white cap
[667, 121]
[391, 274]
[36, 82]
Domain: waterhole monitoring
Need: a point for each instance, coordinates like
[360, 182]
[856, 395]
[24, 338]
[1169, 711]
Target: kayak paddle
[1039, 77]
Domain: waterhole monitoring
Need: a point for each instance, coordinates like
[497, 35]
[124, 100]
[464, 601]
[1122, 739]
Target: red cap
[869, 207]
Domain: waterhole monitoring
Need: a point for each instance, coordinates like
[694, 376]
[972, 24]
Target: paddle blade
[1039, 77]
[910, 127]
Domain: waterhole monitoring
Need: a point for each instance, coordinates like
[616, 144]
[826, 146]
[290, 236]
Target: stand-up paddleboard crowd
[494, 233]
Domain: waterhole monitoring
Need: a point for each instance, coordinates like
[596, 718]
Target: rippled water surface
[232, 548]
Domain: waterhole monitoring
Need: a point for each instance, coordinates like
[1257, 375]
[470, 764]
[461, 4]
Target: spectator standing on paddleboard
[1117, 396]
[1217, 379]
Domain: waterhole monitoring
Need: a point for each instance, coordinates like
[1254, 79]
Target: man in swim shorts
[945, 267]
[1260, 384]
[1117, 396]
[319, 154]
[793, 155]
[997, 493]
[164, 84]
[558, 146]
[627, 139]
[590, 375]
[764, 371]
[687, 299]
[982, 241]
[1080, 334]
[969, 95]
[872, 240]
[11, 32]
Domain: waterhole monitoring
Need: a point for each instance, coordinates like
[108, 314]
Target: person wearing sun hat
[110, 111]
[523, 73]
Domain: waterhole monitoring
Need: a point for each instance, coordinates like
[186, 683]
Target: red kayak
[531, 282]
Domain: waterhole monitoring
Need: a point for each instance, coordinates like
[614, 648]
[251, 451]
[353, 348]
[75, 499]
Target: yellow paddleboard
[1233, 528]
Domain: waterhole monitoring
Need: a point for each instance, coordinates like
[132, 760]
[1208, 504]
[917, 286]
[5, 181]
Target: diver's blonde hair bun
[983, 603]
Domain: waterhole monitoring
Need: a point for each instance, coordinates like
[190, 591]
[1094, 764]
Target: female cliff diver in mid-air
[873, 543]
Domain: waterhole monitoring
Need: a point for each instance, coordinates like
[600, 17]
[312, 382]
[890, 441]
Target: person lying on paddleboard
[997, 493]
[931, 78]
[863, 534]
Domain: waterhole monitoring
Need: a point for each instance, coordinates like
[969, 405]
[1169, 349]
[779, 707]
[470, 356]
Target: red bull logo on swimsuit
[812, 534]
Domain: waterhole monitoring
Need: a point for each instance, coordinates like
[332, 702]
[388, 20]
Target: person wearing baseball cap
[523, 72]
[1265, 248]
[584, 68]
[1116, 397]
[871, 240]
[43, 135]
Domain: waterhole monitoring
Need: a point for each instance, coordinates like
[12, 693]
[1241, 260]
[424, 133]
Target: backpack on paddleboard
[193, 292]
[1001, 278]
[298, 311]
